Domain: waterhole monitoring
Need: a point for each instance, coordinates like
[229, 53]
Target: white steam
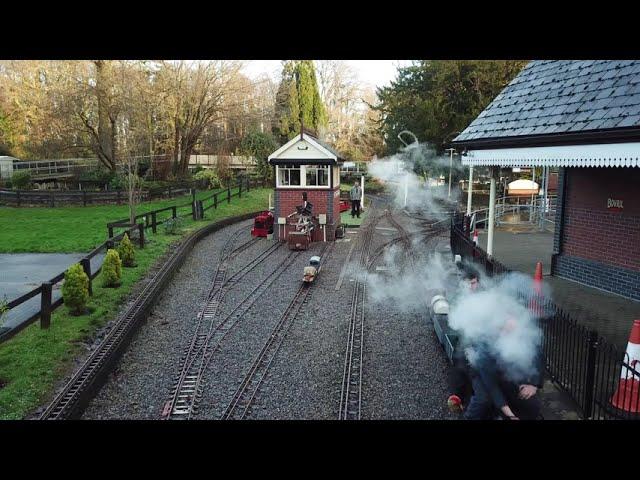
[411, 288]
[494, 319]
[419, 194]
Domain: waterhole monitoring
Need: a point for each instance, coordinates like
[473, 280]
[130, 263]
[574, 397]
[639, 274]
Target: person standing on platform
[355, 195]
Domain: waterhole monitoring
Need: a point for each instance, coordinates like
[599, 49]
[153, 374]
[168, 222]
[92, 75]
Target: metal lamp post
[450, 150]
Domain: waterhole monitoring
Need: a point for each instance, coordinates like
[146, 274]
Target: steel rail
[351, 391]
[185, 384]
[244, 397]
[196, 363]
[79, 390]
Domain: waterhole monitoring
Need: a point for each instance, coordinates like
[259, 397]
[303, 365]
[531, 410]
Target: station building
[307, 165]
[583, 117]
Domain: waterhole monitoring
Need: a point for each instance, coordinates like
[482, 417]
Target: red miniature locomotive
[262, 224]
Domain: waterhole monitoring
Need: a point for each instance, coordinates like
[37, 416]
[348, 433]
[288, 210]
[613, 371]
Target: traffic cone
[537, 278]
[535, 305]
[627, 397]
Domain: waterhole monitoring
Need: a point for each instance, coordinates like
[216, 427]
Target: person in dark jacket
[355, 195]
[459, 377]
[493, 391]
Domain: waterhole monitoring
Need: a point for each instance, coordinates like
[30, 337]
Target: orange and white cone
[627, 397]
[535, 303]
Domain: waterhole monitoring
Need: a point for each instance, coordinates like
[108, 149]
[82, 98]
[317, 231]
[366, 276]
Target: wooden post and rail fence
[147, 220]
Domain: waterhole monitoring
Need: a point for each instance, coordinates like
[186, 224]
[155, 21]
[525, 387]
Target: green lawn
[345, 217]
[32, 361]
[72, 229]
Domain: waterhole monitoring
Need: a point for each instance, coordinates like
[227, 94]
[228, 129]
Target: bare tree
[351, 120]
[197, 95]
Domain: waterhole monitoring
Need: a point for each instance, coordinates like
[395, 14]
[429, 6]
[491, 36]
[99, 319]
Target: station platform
[611, 315]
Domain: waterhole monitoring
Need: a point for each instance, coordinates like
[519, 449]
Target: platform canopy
[600, 155]
[305, 148]
[560, 113]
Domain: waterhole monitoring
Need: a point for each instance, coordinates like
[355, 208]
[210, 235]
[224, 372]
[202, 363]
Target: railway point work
[267, 300]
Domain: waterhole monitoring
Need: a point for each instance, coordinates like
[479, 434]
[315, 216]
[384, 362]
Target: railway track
[351, 391]
[187, 389]
[70, 401]
[240, 405]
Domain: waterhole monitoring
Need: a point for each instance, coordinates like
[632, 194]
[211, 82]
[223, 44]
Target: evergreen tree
[437, 99]
[75, 289]
[298, 100]
[260, 145]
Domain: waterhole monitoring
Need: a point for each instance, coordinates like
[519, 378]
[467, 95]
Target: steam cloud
[495, 318]
[479, 317]
[423, 195]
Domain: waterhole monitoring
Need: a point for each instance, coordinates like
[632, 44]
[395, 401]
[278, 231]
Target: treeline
[116, 109]
[437, 99]
[113, 110]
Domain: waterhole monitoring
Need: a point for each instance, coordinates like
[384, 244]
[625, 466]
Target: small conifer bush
[127, 252]
[75, 289]
[111, 269]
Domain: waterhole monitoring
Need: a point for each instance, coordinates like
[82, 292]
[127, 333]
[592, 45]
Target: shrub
[99, 174]
[75, 289]
[117, 183]
[127, 252]
[111, 269]
[3, 309]
[173, 226]
[21, 179]
[208, 177]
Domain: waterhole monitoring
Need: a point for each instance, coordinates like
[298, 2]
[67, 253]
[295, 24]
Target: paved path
[22, 272]
[610, 314]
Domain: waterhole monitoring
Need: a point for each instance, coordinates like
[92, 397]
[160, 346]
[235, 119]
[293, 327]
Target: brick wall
[596, 274]
[595, 245]
[323, 201]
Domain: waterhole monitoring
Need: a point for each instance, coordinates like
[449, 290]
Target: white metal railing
[235, 161]
[509, 213]
[40, 169]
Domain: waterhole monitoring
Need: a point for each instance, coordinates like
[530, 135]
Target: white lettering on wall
[612, 203]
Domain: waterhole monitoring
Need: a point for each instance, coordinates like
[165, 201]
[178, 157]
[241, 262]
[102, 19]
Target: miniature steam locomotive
[311, 271]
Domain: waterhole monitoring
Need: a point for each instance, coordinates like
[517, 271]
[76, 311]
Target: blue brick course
[612, 279]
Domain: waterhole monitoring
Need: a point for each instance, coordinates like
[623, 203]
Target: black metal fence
[599, 378]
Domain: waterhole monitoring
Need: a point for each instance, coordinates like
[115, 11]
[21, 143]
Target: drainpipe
[492, 212]
[470, 190]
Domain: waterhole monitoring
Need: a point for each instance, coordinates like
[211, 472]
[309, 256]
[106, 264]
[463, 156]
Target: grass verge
[74, 229]
[33, 361]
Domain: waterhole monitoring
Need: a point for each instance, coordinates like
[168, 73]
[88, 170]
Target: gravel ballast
[404, 366]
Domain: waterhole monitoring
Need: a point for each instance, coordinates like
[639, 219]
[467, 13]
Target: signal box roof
[305, 148]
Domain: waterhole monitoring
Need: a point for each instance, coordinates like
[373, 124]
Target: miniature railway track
[240, 405]
[70, 401]
[187, 389]
[248, 267]
[351, 392]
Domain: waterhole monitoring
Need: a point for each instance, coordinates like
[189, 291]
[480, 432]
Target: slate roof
[556, 97]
